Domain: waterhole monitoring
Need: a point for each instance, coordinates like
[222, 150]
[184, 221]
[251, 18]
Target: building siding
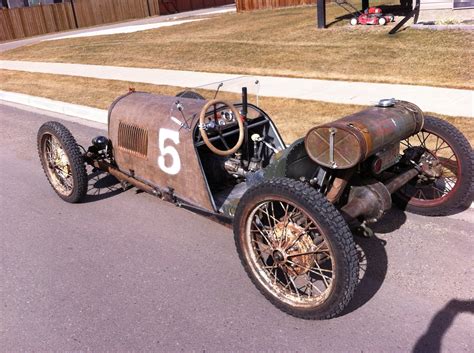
[445, 4]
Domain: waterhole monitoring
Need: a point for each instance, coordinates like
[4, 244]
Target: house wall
[13, 4]
[436, 4]
[445, 4]
[44, 2]
[16, 3]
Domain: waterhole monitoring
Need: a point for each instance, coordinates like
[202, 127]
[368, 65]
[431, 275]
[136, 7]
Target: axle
[372, 200]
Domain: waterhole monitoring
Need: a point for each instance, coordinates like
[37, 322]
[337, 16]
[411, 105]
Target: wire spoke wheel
[59, 167]
[289, 252]
[446, 178]
[296, 248]
[434, 189]
[62, 161]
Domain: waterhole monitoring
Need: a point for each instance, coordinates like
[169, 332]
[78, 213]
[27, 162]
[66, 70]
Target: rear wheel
[382, 21]
[447, 151]
[353, 21]
[62, 161]
[296, 248]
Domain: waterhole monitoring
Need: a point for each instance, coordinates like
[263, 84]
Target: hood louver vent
[133, 139]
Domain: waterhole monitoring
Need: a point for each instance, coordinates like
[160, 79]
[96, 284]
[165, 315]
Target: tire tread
[74, 154]
[339, 230]
[463, 195]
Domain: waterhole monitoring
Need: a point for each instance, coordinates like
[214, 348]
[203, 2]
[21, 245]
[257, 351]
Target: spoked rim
[289, 253]
[433, 192]
[57, 164]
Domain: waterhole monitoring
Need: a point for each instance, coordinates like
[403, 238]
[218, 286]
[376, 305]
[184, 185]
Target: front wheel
[296, 248]
[353, 21]
[62, 161]
[382, 21]
[446, 148]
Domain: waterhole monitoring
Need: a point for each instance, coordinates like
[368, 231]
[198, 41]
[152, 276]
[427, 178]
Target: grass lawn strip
[281, 42]
[293, 117]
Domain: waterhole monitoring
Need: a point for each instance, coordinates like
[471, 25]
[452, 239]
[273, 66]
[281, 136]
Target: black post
[413, 13]
[244, 102]
[365, 5]
[244, 116]
[321, 8]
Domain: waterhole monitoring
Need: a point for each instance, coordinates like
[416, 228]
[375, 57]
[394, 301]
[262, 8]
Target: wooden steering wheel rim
[203, 132]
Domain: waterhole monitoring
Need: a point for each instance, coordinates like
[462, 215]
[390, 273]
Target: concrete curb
[74, 110]
[435, 27]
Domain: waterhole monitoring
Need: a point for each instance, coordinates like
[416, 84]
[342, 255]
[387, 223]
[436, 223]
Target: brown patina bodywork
[344, 143]
[141, 154]
[135, 122]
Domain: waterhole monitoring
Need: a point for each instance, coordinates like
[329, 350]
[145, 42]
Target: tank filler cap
[386, 103]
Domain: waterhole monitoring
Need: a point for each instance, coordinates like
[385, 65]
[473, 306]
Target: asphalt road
[125, 271]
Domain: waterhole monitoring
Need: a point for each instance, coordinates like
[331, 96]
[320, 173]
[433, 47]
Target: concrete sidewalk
[454, 102]
[128, 29]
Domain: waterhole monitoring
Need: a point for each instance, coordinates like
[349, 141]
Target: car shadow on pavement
[372, 270]
[393, 219]
[441, 322]
[101, 186]
[455, 210]
[373, 261]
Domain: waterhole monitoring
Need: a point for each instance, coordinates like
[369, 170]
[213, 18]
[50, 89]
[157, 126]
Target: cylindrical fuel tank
[348, 141]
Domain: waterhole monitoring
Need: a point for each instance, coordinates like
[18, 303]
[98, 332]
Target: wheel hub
[61, 161]
[279, 257]
[293, 240]
[431, 168]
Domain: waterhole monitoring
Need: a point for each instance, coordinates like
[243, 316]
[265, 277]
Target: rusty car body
[294, 208]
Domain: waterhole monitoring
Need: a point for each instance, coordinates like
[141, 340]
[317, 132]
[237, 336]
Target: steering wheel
[203, 132]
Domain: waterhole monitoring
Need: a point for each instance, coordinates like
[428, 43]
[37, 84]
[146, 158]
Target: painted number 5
[174, 166]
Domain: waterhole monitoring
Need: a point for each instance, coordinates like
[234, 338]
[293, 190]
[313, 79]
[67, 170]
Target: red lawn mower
[370, 16]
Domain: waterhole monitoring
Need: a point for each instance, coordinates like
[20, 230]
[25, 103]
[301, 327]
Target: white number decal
[175, 166]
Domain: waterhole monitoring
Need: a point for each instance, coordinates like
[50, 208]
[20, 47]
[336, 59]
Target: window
[463, 4]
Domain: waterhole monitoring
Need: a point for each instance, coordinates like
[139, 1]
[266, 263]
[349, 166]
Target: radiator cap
[385, 103]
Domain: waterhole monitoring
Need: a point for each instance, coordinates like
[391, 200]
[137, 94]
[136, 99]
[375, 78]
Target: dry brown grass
[279, 42]
[292, 116]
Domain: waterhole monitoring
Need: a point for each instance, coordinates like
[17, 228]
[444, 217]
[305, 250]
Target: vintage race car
[293, 208]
